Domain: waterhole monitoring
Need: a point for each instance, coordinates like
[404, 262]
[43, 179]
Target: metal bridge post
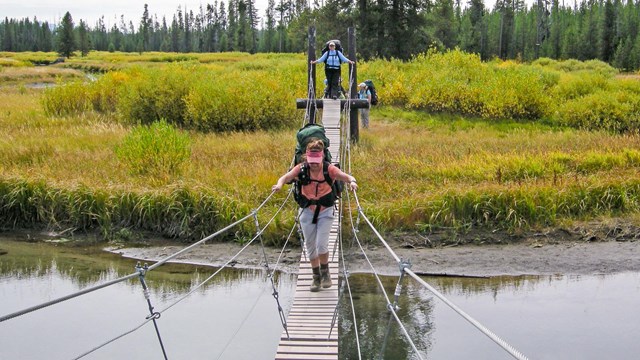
[353, 116]
[311, 81]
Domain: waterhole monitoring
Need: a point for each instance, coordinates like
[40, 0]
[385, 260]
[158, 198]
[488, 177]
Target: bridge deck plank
[311, 335]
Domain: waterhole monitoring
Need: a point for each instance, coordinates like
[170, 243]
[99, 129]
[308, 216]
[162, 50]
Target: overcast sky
[91, 10]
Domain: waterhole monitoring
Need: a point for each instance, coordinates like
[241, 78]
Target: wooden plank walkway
[311, 335]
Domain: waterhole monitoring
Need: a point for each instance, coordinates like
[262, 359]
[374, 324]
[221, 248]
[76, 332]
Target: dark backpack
[305, 134]
[374, 93]
[338, 48]
[304, 178]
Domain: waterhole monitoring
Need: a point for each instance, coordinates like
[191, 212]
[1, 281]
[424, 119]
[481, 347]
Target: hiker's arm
[322, 58]
[344, 58]
[343, 176]
[286, 178]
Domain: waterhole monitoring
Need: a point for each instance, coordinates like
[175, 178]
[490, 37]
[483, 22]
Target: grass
[417, 171]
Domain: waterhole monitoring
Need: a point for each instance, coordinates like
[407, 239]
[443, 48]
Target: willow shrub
[153, 93]
[234, 92]
[158, 150]
[66, 99]
[615, 111]
[253, 102]
[457, 82]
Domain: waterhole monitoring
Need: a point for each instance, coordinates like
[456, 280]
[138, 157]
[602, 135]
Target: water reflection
[215, 320]
[235, 317]
[545, 317]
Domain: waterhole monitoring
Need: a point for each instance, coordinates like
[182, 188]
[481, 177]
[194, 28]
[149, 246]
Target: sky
[91, 10]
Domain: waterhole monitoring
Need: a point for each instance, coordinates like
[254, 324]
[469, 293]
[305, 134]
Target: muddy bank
[582, 250]
[604, 247]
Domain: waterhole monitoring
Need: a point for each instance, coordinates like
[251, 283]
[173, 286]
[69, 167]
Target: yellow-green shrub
[255, 101]
[66, 99]
[617, 111]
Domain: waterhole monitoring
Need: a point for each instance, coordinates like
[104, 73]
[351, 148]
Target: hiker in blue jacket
[332, 59]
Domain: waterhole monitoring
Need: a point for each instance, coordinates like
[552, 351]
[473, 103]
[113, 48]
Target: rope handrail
[67, 297]
[390, 306]
[132, 275]
[228, 261]
[221, 231]
[197, 286]
[503, 344]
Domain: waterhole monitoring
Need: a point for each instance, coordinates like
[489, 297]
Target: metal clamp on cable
[155, 315]
[402, 264]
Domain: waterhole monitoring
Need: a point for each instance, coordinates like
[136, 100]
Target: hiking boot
[315, 284]
[325, 279]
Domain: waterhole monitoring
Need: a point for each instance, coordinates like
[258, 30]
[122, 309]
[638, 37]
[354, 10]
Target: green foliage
[615, 111]
[66, 42]
[157, 150]
[66, 99]
[178, 213]
[241, 96]
[573, 65]
[253, 102]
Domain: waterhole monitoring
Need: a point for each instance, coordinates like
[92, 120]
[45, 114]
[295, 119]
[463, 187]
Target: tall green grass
[159, 151]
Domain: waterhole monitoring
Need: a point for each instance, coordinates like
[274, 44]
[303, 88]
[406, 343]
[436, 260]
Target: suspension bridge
[309, 329]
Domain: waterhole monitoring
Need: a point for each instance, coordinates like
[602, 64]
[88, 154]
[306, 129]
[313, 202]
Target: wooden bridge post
[353, 116]
[311, 80]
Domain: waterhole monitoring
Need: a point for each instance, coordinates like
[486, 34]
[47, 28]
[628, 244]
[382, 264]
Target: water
[235, 316]
[544, 317]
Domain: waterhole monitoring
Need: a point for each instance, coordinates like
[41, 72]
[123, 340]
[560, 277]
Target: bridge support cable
[113, 339]
[67, 297]
[132, 275]
[390, 306]
[221, 231]
[231, 259]
[152, 315]
[270, 274]
[345, 272]
[503, 344]
[241, 325]
[197, 286]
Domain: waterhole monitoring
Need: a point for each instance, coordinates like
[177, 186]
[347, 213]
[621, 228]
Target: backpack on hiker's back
[338, 47]
[304, 136]
[374, 93]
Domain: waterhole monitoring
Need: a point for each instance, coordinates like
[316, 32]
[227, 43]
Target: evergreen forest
[606, 30]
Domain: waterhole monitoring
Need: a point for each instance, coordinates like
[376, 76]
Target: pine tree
[270, 28]
[66, 42]
[84, 44]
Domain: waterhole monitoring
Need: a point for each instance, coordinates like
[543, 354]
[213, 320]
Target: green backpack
[307, 133]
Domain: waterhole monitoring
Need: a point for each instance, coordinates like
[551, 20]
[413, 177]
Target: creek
[234, 316]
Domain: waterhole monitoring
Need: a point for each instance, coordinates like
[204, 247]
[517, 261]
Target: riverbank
[586, 249]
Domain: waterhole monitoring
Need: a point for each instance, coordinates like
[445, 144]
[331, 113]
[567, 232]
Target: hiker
[316, 217]
[364, 93]
[332, 58]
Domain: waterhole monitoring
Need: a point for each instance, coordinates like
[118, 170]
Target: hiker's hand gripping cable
[353, 185]
[286, 178]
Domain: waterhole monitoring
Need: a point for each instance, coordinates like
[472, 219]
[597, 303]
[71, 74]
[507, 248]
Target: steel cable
[510, 349]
